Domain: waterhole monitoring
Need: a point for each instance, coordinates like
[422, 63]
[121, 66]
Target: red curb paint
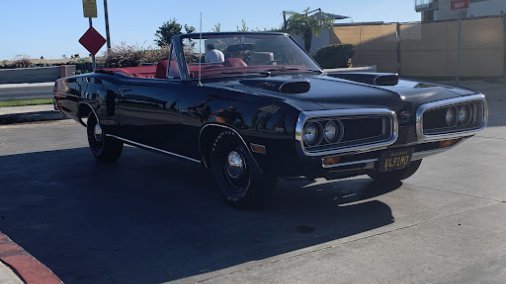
[8, 247]
[29, 269]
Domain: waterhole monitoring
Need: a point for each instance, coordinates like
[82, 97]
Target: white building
[440, 10]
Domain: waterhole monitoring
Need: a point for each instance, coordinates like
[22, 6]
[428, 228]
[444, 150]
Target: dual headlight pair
[315, 132]
[459, 115]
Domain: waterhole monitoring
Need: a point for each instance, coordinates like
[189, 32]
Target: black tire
[242, 185]
[395, 176]
[103, 148]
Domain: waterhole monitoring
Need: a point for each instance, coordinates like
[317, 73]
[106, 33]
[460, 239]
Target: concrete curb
[31, 117]
[28, 268]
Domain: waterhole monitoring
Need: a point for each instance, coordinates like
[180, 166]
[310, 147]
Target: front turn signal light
[330, 161]
[448, 143]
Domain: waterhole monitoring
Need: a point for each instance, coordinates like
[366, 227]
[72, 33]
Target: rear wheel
[103, 148]
[397, 175]
[237, 176]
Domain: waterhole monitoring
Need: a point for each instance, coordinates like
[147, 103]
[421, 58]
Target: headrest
[161, 69]
[234, 62]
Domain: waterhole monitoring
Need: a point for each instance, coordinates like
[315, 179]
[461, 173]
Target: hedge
[335, 56]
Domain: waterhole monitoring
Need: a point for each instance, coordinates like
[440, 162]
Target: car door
[148, 110]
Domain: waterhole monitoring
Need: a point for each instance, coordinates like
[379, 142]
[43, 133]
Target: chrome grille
[452, 118]
[363, 130]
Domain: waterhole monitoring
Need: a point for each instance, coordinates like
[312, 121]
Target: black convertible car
[260, 108]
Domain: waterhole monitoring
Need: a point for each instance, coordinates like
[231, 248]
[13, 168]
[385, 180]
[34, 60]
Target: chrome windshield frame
[177, 44]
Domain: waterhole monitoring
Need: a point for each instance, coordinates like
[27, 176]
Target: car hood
[320, 92]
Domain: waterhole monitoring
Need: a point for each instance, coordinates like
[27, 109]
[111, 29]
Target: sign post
[459, 5]
[90, 11]
[93, 58]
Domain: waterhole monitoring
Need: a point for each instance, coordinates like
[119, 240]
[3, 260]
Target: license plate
[395, 160]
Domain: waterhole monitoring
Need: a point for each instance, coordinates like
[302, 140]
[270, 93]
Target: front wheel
[103, 148]
[397, 175]
[237, 176]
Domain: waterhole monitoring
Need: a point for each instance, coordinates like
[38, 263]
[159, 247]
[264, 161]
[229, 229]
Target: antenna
[200, 57]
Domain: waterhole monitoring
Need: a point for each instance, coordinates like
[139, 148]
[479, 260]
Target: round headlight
[451, 116]
[464, 114]
[312, 134]
[333, 131]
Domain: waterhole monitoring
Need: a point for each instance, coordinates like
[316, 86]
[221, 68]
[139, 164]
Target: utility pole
[107, 33]
[284, 21]
[459, 48]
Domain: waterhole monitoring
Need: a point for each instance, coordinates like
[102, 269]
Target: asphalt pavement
[152, 219]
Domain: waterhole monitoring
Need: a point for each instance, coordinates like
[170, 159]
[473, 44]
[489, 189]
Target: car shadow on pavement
[150, 219]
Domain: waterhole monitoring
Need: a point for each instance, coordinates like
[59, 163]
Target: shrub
[20, 62]
[154, 55]
[23, 62]
[129, 56]
[335, 56]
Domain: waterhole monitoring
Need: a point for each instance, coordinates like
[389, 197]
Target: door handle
[124, 90]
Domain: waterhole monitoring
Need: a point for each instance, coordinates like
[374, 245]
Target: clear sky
[52, 28]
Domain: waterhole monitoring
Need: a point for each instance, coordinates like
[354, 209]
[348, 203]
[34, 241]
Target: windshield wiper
[266, 74]
[314, 71]
[282, 69]
[294, 69]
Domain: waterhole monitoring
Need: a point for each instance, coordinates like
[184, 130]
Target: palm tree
[308, 23]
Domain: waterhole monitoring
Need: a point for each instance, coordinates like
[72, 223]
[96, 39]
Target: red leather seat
[234, 62]
[161, 69]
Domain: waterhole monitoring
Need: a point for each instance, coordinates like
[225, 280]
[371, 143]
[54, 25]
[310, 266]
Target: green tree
[217, 28]
[166, 31]
[169, 29]
[306, 25]
[244, 27]
[189, 29]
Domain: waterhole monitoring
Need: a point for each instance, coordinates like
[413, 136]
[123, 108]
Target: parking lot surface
[152, 219]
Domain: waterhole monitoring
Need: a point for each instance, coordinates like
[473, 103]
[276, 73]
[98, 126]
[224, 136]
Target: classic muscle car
[268, 111]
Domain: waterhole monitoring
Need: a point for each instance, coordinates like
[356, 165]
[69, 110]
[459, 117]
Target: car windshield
[230, 55]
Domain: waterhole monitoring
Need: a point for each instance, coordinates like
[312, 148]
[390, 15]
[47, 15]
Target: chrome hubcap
[98, 133]
[235, 165]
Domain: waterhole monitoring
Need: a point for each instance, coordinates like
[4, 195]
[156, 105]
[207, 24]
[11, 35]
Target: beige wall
[374, 44]
[429, 49]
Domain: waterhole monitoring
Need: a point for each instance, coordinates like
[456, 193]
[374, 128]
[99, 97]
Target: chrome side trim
[231, 129]
[360, 112]
[467, 99]
[153, 148]
[367, 162]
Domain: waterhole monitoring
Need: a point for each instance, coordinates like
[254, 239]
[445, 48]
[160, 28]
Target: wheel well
[207, 137]
[84, 111]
